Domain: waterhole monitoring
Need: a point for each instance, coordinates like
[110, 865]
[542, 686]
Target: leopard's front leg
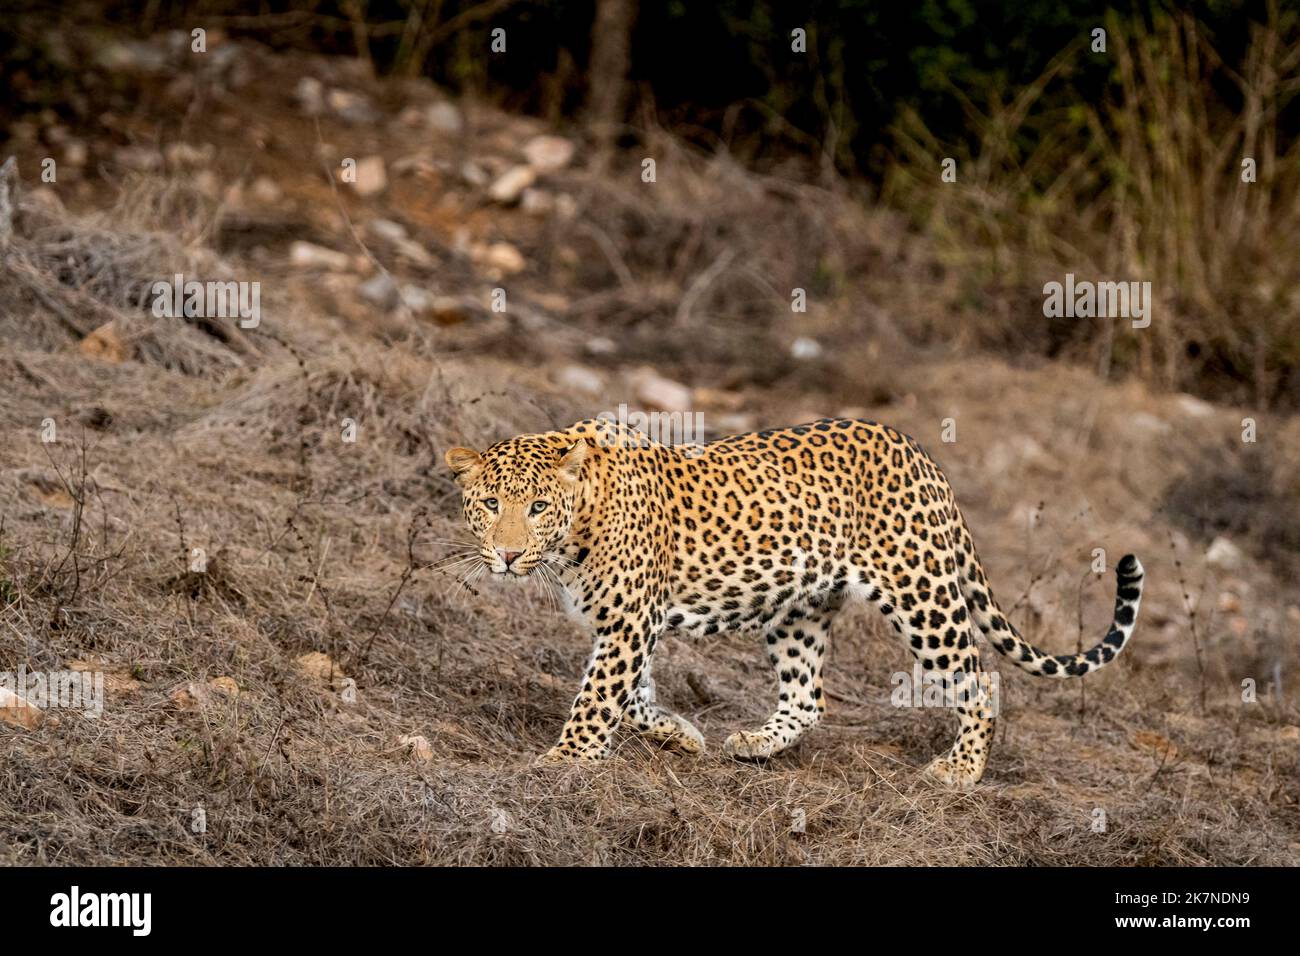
[659, 725]
[621, 656]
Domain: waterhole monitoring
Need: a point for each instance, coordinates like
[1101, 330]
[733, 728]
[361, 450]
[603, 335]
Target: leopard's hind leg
[796, 646]
[938, 629]
[967, 691]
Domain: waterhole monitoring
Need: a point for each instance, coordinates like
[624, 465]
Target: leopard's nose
[508, 556]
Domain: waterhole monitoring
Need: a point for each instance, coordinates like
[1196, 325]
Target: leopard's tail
[1003, 635]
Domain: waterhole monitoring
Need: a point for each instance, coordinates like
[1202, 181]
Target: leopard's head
[519, 498]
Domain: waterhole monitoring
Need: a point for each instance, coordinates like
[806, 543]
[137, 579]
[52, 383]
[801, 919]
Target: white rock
[310, 95]
[412, 250]
[265, 191]
[445, 118]
[386, 229]
[1146, 422]
[536, 202]
[306, 255]
[351, 107]
[417, 299]
[548, 154]
[380, 290]
[730, 423]
[508, 188]
[566, 207]
[660, 393]
[75, 153]
[474, 174]
[580, 378]
[1193, 407]
[138, 56]
[601, 345]
[1222, 553]
[502, 256]
[371, 177]
[804, 348]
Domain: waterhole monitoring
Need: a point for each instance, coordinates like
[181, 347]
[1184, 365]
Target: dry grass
[199, 440]
[1146, 185]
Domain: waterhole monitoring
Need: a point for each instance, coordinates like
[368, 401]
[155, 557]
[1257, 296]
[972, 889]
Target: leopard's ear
[570, 465]
[464, 463]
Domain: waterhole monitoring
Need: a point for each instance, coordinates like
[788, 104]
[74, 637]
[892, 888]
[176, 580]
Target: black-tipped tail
[1003, 635]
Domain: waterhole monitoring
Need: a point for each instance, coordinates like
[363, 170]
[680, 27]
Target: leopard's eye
[538, 507]
[491, 504]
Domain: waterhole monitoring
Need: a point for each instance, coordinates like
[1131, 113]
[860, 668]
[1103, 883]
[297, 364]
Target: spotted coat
[770, 532]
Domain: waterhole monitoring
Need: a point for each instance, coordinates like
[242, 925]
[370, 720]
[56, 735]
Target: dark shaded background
[705, 70]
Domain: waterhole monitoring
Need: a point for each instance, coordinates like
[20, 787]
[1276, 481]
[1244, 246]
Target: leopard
[769, 533]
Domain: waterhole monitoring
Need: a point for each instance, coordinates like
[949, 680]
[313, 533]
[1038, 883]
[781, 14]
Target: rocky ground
[237, 526]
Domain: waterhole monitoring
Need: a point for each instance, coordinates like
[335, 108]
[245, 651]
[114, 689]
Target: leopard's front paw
[751, 745]
[687, 739]
[676, 733]
[562, 754]
[944, 771]
[553, 756]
